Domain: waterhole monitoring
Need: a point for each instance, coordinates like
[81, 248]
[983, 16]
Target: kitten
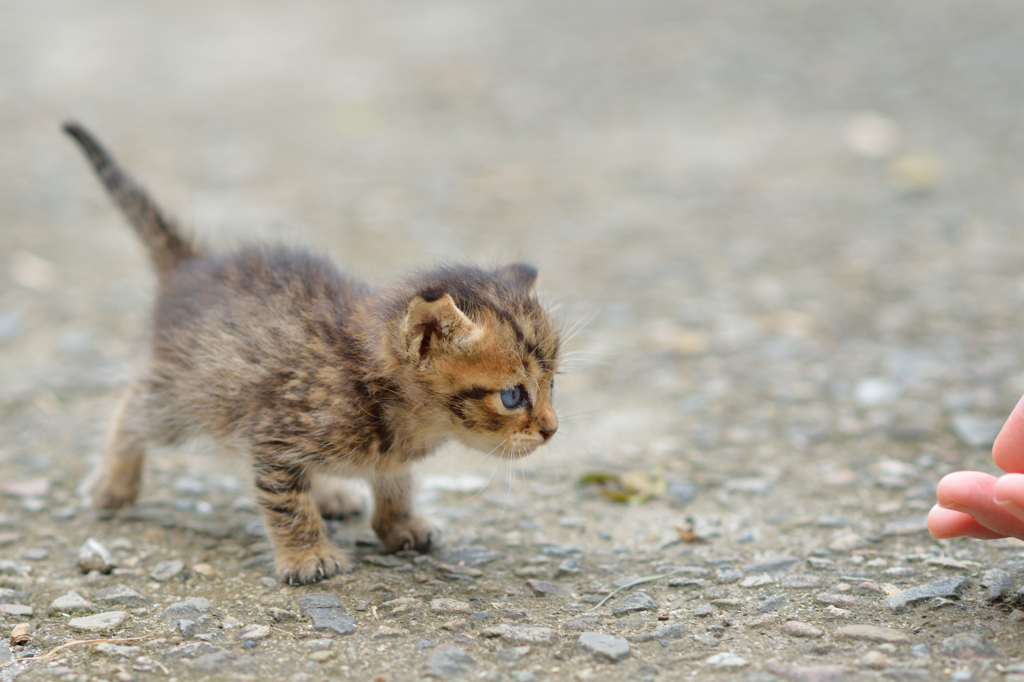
[273, 351]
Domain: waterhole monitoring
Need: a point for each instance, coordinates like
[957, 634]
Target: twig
[53, 652]
[284, 631]
[638, 581]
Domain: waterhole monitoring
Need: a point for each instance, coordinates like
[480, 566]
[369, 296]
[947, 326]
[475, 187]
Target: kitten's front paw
[414, 533]
[109, 493]
[310, 565]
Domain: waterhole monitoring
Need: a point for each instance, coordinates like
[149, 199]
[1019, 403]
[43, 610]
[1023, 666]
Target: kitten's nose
[547, 422]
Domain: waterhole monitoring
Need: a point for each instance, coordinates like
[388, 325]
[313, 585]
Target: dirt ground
[785, 242]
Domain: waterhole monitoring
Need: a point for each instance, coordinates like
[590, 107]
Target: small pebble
[634, 603]
[798, 628]
[165, 570]
[101, 622]
[605, 647]
[93, 556]
[726, 659]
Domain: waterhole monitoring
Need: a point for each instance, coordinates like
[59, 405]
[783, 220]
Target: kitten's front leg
[301, 552]
[393, 521]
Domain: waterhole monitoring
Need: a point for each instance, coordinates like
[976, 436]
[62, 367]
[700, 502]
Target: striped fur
[275, 352]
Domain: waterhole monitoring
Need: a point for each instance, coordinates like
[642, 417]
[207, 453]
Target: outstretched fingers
[973, 494]
[946, 523]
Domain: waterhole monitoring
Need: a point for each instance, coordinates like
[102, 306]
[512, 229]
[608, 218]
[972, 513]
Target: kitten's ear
[522, 275]
[431, 320]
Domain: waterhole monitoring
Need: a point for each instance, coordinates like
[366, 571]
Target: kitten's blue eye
[513, 397]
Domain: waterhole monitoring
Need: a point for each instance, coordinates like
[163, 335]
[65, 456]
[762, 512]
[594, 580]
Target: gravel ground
[785, 236]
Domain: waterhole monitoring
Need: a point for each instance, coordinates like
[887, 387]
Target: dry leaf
[686, 532]
[632, 487]
[20, 634]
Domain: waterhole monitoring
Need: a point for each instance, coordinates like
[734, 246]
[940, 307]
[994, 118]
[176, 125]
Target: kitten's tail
[161, 236]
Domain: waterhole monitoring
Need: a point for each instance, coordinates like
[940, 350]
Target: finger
[946, 523]
[973, 493]
[1008, 450]
[1008, 493]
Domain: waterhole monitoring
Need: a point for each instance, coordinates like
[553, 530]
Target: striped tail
[165, 244]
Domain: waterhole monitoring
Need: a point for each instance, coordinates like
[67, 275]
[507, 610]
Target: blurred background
[786, 236]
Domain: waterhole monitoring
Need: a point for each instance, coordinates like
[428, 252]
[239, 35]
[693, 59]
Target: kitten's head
[483, 353]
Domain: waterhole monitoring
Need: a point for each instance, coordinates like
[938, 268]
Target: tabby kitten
[273, 351]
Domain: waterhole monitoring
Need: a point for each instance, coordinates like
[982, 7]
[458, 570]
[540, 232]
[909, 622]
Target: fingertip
[1008, 449]
[962, 488]
[1008, 493]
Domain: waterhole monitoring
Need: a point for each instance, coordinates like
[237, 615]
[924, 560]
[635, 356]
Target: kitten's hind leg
[116, 483]
[336, 498]
[393, 521]
[301, 552]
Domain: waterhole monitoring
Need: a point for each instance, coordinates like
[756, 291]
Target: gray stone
[772, 603]
[92, 556]
[253, 632]
[728, 575]
[512, 654]
[836, 599]
[569, 566]
[545, 588]
[18, 610]
[872, 633]
[450, 606]
[998, 585]
[165, 570]
[520, 634]
[190, 609]
[909, 674]
[562, 550]
[448, 661]
[639, 601]
[121, 595]
[947, 587]
[327, 613]
[187, 628]
[798, 628]
[975, 431]
[101, 622]
[726, 659]
[223, 662]
[520, 676]
[72, 602]
[470, 555]
[702, 610]
[779, 564]
[384, 560]
[759, 580]
[674, 631]
[281, 615]
[604, 647]
[800, 581]
[812, 673]
[921, 651]
[969, 645]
